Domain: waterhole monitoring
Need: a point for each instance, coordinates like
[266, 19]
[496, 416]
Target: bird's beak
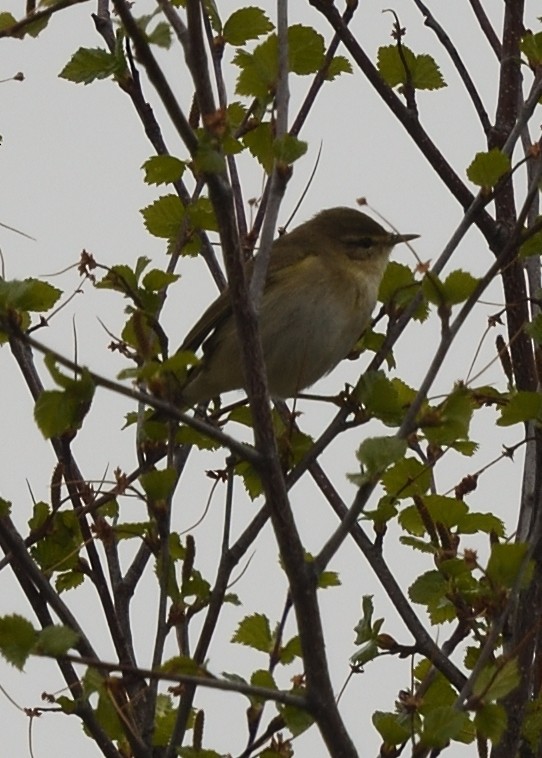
[397, 238]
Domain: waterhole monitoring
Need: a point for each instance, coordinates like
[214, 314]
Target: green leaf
[159, 484]
[297, 720]
[328, 579]
[380, 397]
[245, 24]
[430, 589]
[423, 70]
[339, 65]
[6, 20]
[490, 721]
[163, 169]
[5, 507]
[521, 407]
[259, 69]
[487, 168]
[187, 436]
[251, 478]
[399, 287]
[505, 562]
[416, 544]
[364, 629]
[254, 631]
[458, 286]
[17, 638]
[28, 295]
[69, 580]
[57, 412]
[394, 728]
[449, 422]
[262, 678]
[164, 720]
[59, 549]
[290, 651]
[260, 144]
[441, 725]
[406, 478]
[531, 46]
[212, 12]
[288, 148]
[532, 246]
[201, 214]
[306, 49]
[164, 217]
[209, 158]
[160, 35]
[376, 454]
[497, 679]
[35, 27]
[471, 523]
[89, 64]
[55, 640]
[156, 279]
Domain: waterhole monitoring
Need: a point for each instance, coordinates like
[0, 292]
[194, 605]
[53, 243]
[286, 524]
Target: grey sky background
[70, 163]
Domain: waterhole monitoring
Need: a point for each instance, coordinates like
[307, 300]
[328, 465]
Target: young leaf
[406, 478]
[490, 721]
[288, 148]
[55, 640]
[254, 631]
[6, 20]
[89, 64]
[458, 286]
[505, 562]
[160, 35]
[158, 484]
[17, 638]
[163, 169]
[531, 47]
[377, 453]
[421, 71]
[339, 65]
[260, 143]
[487, 168]
[394, 728]
[441, 725]
[59, 412]
[497, 679]
[306, 50]
[164, 217]
[380, 397]
[245, 24]
[532, 246]
[521, 407]
[28, 295]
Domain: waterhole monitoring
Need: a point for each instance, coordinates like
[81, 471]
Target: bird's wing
[216, 314]
[220, 309]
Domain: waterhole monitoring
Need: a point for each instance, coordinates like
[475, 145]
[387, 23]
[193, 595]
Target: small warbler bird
[321, 288]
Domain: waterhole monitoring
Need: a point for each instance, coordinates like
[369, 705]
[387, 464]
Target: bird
[320, 290]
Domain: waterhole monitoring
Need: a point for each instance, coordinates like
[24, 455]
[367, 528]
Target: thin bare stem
[462, 70]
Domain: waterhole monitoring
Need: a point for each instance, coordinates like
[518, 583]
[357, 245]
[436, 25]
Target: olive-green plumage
[321, 288]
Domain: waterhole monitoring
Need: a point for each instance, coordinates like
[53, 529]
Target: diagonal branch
[432, 23]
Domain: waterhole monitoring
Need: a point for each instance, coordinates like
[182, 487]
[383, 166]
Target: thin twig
[462, 70]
